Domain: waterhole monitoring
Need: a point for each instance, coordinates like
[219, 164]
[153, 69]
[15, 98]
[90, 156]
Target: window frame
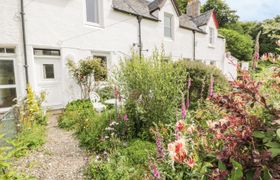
[171, 26]
[45, 73]
[100, 23]
[7, 57]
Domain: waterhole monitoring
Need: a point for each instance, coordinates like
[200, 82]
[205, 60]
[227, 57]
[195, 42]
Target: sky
[254, 10]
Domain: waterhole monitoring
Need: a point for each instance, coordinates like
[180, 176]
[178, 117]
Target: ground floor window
[104, 61]
[7, 83]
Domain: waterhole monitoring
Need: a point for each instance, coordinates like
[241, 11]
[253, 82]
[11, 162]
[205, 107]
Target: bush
[138, 151]
[241, 46]
[200, 74]
[126, 163]
[73, 112]
[152, 88]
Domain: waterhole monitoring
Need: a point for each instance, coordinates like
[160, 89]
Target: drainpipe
[194, 39]
[22, 13]
[139, 18]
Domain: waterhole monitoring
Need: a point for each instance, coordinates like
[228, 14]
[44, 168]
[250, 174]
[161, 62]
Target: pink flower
[188, 102]
[180, 125]
[160, 150]
[125, 118]
[191, 162]
[156, 173]
[177, 151]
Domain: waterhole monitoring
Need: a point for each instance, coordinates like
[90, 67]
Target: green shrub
[106, 93]
[153, 89]
[138, 151]
[126, 163]
[200, 74]
[90, 129]
[73, 112]
[28, 139]
[241, 46]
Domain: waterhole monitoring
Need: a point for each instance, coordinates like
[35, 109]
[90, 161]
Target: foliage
[129, 162]
[224, 14]
[72, 113]
[86, 72]
[239, 45]
[31, 134]
[29, 109]
[200, 75]
[106, 93]
[152, 89]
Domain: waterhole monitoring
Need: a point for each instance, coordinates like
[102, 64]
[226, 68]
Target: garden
[177, 120]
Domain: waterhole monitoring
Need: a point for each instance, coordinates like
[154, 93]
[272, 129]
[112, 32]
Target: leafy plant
[241, 46]
[86, 72]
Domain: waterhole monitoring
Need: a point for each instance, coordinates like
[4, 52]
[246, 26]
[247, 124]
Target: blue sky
[254, 10]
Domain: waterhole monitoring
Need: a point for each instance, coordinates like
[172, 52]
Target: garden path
[60, 158]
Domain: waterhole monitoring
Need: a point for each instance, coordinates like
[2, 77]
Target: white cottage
[38, 36]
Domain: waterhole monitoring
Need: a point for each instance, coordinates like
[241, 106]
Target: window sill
[94, 25]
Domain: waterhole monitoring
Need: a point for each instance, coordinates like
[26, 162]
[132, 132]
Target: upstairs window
[92, 11]
[46, 52]
[7, 50]
[168, 25]
[211, 36]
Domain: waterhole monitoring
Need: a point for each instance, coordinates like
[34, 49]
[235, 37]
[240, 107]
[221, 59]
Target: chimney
[193, 8]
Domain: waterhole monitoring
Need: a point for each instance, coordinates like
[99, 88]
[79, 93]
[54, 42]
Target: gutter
[22, 13]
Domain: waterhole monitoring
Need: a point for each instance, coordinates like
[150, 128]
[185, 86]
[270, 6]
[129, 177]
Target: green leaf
[237, 171]
[275, 152]
[266, 174]
[273, 144]
[278, 133]
[259, 134]
[221, 165]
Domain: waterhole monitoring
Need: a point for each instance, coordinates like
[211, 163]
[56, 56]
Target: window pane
[167, 32]
[10, 50]
[92, 11]
[6, 97]
[168, 26]
[2, 50]
[103, 62]
[48, 71]
[7, 75]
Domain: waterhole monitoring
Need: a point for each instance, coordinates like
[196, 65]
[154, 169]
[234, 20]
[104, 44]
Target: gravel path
[59, 159]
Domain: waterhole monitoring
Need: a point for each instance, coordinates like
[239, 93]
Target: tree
[241, 46]
[182, 4]
[86, 72]
[224, 14]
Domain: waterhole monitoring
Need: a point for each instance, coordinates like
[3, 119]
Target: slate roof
[203, 18]
[134, 7]
[145, 9]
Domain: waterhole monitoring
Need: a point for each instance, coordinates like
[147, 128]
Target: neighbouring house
[37, 37]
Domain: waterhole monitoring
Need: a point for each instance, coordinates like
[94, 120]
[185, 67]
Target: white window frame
[9, 57]
[100, 23]
[211, 36]
[171, 24]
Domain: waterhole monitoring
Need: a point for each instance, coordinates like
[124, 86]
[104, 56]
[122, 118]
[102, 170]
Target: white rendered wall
[61, 25]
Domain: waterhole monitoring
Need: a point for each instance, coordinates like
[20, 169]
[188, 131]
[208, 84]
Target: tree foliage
[86, 72]
[225, 15]
[239, 45]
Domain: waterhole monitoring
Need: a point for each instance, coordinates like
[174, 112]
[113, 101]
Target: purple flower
[211, 86]
[160, 150]
[156, 172]
[125, 118]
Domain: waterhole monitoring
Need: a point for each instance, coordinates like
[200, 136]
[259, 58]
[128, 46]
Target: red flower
[191, 162]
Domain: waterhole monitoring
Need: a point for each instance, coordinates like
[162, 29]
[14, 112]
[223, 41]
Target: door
[48, 77]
